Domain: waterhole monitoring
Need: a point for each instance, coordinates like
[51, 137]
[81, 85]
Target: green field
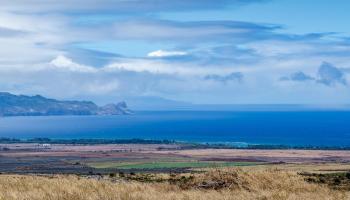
[160, 165]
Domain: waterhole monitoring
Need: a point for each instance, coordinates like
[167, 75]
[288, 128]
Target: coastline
[183, 145]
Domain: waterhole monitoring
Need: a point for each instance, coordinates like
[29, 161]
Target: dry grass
[216, 184]
[304, 167]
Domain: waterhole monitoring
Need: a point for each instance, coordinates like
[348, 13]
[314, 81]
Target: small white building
[46, 146]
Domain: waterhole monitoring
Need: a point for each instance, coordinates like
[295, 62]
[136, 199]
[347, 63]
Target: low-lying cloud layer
[235, 76]
[327, 74]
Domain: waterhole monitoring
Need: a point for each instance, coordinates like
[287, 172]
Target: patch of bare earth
[294, 156]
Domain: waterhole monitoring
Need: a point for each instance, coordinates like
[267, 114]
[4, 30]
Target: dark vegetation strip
[182, 145]
[339, 180]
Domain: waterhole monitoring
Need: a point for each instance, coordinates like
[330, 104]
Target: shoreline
[183, 145]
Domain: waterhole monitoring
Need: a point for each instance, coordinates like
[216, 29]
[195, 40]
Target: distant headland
[22, 105]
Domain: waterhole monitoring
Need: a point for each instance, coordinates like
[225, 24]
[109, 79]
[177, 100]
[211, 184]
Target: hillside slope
[21, 105]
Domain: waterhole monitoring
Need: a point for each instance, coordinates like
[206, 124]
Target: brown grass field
[214, 184]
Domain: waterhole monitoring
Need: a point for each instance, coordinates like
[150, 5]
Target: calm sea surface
[288, 128]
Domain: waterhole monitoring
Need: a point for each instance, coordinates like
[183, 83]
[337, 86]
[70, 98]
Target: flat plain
[87, 159]
[169, 171]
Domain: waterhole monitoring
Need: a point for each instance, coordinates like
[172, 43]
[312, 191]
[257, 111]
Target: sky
[197, 51]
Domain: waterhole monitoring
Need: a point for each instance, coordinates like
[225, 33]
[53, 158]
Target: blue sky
[198, 51]
[297, 16]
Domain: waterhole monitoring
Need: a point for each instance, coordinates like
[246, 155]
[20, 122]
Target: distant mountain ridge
[22, 105]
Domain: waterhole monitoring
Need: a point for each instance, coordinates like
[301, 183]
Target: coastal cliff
[21, 105]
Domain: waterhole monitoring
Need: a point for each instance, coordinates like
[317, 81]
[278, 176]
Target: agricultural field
[169, 165]
[112, 158]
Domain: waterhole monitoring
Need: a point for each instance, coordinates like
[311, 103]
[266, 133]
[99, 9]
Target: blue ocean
[319, 128]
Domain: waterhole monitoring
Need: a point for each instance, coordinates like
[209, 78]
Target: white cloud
[168, 67]
[43, 6]
[65, 78]
[269, 48]
[62, 62]
[102, 87]
[183, 32]
[162, 53]
[38, 40]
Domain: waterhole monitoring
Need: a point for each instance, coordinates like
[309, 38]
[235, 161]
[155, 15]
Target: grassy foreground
[214, 184]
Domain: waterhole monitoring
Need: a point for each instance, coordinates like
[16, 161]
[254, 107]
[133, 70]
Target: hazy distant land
[21, 105]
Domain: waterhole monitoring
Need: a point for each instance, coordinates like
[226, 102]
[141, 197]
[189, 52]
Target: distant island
[22, 105]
